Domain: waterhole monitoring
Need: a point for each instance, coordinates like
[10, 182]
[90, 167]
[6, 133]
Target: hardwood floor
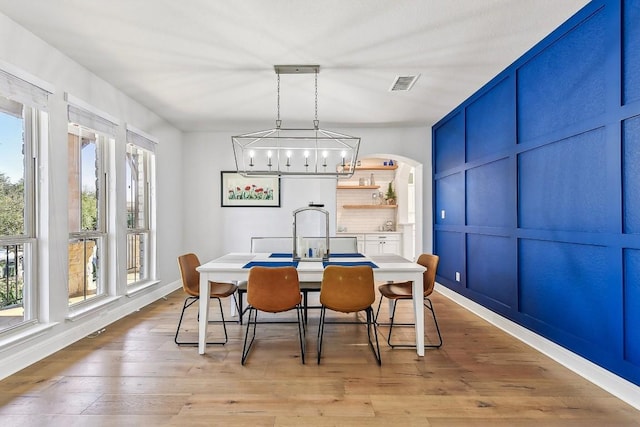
[133, 374]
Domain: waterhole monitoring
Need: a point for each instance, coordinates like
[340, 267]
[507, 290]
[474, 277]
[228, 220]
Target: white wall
[23, 50]
[189, 216]
[211, 231]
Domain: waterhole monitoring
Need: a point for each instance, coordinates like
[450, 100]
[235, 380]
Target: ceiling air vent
[403, 83]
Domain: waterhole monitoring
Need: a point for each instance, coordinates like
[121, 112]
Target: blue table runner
[271, 264]
[281, 255]
[349, 263]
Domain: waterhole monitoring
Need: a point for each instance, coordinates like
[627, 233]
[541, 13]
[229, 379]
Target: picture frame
[249, 191]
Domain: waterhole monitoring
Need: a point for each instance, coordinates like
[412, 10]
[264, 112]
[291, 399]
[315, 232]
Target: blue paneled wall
[537, 189]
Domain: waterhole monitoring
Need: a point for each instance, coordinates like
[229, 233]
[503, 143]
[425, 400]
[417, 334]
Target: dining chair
[348, 289]
[403, 291]
[271, 244]
[343, 244]
[273, 290]
[285, 245]
[191, 285]
[263, 245]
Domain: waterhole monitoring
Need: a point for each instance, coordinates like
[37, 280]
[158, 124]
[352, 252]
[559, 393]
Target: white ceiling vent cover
[403, 83]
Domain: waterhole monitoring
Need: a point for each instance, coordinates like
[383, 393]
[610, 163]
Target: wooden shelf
[358, 187]
[369, 206]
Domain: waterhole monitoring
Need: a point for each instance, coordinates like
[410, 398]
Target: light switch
[457, 276]
[442, 214]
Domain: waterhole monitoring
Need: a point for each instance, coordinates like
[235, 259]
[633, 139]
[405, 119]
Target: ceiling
[208, 64]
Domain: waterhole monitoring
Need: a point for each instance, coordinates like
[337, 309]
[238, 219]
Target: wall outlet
[457, 276]
[442, 214]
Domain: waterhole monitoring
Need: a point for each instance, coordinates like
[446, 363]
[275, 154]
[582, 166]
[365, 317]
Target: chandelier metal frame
[296, 152]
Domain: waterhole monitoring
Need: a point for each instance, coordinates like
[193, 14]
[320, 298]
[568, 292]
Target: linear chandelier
[287, 152]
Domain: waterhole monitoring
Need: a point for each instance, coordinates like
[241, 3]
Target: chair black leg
[245, 348]
[305, 303]
[321, 331]
[393, 315]
[301, 331]
[392, 323]
[184, 307]
[378, 310]
[224, 326]
[188, 302]
[370, 322]
[253, 320]
[435, 321]
[239, 304]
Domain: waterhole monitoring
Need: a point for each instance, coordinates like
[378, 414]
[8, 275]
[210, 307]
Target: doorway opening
[383, 196]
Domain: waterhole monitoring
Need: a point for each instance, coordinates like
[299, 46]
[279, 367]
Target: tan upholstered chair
[403, 291]
[348, 290]
[273, 290]
[191, 285]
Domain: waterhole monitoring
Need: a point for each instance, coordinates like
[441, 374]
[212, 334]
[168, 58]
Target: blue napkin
[350, 264]
[271, 264]
[281, 255]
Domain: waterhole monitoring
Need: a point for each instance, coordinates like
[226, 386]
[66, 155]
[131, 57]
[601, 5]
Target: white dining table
[233, 267]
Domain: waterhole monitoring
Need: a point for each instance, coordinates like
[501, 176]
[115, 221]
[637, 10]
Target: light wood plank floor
[132, 374]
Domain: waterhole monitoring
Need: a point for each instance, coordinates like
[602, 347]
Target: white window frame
[105, 127]
[147, 143]
[100, 233]
[27, 240]
[33, 94]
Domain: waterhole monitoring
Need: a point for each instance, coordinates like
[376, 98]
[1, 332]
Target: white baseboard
[619, 387]
[33, 350]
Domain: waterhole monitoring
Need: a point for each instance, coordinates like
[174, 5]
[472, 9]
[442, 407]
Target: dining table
[234, 267]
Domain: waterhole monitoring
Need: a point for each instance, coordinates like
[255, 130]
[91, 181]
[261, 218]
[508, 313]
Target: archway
[410, 190]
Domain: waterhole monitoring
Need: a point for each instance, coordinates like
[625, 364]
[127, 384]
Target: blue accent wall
[537, 189]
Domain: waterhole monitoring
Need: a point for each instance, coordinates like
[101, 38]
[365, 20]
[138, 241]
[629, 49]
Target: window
[22, 116]
[89, 141]
[87, 228]
[16, 231]
[139, 180]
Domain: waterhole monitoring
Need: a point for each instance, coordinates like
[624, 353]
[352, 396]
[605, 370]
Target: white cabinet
[378, 244]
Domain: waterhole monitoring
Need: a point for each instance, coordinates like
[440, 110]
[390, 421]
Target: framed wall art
[249, 191]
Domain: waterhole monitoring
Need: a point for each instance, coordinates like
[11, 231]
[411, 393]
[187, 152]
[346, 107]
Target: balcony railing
[136, 257]
[11, 276]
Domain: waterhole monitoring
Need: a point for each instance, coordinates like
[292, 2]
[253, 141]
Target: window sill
[24, 333]
[134, 289]
[91, 307]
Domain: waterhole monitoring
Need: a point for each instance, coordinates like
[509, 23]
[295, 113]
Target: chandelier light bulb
[310, 142]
